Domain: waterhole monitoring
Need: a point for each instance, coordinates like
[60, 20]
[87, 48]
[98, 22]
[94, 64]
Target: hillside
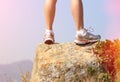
[13, 72]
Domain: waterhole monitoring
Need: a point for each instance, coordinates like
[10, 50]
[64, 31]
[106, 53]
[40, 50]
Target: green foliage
[104, 77]
[92, 70]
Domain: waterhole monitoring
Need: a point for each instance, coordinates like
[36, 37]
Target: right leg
[49, 11]
[82, 35]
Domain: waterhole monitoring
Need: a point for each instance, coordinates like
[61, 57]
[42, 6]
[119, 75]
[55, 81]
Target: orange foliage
[109, 53]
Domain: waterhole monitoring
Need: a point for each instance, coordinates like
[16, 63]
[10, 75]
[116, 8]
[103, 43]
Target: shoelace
[90, 29]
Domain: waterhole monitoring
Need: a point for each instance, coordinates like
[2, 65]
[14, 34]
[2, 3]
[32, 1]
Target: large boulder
[67, 62]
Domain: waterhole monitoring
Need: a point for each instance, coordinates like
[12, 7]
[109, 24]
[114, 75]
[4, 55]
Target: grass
[26, 77]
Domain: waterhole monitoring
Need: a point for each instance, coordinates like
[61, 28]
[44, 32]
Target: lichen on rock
[66, 62]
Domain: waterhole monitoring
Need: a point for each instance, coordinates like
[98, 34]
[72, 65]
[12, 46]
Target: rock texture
[66, 62]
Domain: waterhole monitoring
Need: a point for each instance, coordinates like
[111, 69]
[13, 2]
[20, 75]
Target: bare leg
[77, 12]
[82, 35]
[49, 11]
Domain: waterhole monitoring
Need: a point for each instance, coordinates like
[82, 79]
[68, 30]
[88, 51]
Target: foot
[49, 38]
[87, 38]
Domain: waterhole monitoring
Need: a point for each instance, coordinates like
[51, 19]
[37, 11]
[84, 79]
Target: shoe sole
[85, 42]
[49, 41]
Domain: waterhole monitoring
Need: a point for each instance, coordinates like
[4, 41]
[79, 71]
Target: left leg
[49, 11]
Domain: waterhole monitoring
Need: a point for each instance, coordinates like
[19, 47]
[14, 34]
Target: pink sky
[17, 24]
[112, 9]
[22, 23]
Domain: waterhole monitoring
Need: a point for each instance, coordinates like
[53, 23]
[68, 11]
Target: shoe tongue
[82, 32]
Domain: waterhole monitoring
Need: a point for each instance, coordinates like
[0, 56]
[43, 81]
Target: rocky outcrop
[66, 62]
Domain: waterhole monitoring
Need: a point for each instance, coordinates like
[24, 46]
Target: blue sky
[22, 25]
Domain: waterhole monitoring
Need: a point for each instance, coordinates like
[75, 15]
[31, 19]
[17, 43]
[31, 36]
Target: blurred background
[22, 25]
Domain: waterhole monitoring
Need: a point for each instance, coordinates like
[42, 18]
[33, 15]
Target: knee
[76, 0]
[52, 2]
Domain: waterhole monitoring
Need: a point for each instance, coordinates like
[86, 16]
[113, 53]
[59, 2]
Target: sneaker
[49, 38]
[87, 38]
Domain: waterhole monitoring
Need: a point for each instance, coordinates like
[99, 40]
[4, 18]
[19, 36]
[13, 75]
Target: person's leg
[82, 35]
[77, 12]
[49, 11]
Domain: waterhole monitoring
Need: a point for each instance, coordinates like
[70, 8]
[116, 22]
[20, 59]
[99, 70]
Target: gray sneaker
[49, 38]
[87, 38]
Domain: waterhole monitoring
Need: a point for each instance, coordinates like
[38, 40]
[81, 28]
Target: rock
[66, 62]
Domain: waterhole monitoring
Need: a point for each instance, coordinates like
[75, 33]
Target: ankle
[81, 32]
[49, 31]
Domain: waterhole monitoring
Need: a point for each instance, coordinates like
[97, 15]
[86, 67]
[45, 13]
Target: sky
[22, 25]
